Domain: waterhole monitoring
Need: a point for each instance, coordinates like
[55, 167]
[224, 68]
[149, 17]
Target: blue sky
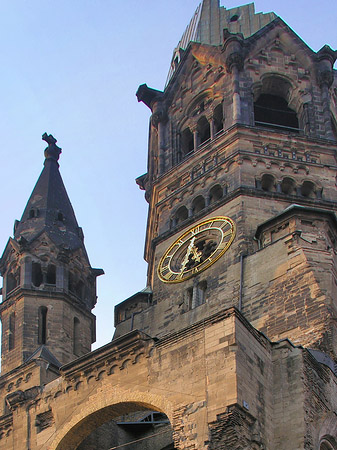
[71, 68]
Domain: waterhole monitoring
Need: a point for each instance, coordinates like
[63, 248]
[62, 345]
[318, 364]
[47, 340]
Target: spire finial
[52, 151]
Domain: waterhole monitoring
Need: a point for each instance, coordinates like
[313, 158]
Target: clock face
[196, 249]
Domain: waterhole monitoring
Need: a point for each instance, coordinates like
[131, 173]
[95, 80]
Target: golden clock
[196, 249]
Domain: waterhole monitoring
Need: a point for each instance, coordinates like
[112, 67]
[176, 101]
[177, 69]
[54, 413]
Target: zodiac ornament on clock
[196, 249]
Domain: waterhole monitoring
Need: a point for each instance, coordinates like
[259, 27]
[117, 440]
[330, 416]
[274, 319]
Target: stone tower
[49, 286]
[232, 344]
[245, 130]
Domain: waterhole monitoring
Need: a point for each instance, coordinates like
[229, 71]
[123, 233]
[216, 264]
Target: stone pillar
[159, 121]
[326, 58]
[60, 278]
[207, 200]
[211, 126]
[161, 147]
[233, 48]
[195, 138]
[26, 273]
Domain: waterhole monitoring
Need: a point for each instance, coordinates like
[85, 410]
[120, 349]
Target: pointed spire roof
[209, 21]
[49, 209]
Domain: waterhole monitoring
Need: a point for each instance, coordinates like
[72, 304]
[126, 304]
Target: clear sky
[71, 68]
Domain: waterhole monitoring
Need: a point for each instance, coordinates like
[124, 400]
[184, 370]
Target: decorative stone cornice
[19, 397]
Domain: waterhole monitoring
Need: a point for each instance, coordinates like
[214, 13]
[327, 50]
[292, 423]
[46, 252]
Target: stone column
[211, 126]
[159, 121]
[26, 273]
[233, 48]
[195, 138]
[326, 58]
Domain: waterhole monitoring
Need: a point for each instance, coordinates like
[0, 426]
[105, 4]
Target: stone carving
[44, 420]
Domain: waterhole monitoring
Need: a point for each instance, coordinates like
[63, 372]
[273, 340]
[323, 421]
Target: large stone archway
[90, 394]
[82, 425]
[190, 376]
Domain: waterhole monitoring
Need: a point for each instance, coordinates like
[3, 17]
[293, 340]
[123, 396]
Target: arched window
[51, 274]
[12, 282]
[11, 331]
[326, 444]
[288, 186]
[33, 212]
[37, 276]
[187, 143]
[268, 182]
[308, 189]
[42, 325]
[76, 337]
[273, 111]
[71, 282]
[180, 215]
[215, 193]
[204, 130]
[218, 119]
[198, 204]
[80, 289]
[334, 128]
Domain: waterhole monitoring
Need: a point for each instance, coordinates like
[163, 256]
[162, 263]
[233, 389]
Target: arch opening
[308, 189]
[204, 130]
[218, 119]
[268, 182]
[187, 143]
[272, 111]
[288, 186]
[328, 443]
[134, 425]
[216, 193]
[180, 215]
[198, 204]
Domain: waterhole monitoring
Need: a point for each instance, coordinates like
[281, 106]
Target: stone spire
[209, 22]
[49, 286]
[49, 208]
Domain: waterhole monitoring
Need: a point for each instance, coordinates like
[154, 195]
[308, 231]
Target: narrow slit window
[76, 337]
[204, 130]
[218, 119]
[51, 274]
[11, 331]
[201, 293]
[42, 325]
[12, 282]
[37, 275]
[187, 143]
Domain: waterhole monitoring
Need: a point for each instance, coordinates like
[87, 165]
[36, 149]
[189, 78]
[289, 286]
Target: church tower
[49, 287]
[241, 182]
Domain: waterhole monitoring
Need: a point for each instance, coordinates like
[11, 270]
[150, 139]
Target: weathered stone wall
[193, 376]
[59, 330]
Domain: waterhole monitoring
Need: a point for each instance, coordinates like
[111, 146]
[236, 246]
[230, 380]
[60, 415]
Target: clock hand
[196, 256]
[186, 258]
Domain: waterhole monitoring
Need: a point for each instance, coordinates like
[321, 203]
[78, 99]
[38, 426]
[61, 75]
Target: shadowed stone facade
[228, 350]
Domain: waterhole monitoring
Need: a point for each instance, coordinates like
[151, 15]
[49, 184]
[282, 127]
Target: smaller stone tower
[49, 287]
